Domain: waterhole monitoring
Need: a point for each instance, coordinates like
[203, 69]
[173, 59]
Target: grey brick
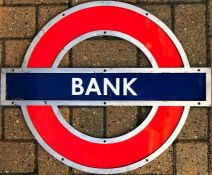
[14, 52]
[196, 126]
[210, 16]
[190, 30]
[49, 165]
[35, 1]
[104, 53]
[17, 157]
[46, 13]
[121, 120]
[15, 126]
[192, 158]
[163, 12]
[161, 165]
[88, 120]
[17, 22]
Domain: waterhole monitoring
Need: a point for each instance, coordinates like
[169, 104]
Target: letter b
[77, 85]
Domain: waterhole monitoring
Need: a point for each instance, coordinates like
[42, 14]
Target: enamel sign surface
[171, 87]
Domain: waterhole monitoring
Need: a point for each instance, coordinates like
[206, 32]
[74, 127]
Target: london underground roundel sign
[170, 87]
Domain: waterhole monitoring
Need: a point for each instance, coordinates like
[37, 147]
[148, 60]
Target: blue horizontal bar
[148, 86]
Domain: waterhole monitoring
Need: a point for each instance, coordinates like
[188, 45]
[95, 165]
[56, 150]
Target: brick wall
[190, 20]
